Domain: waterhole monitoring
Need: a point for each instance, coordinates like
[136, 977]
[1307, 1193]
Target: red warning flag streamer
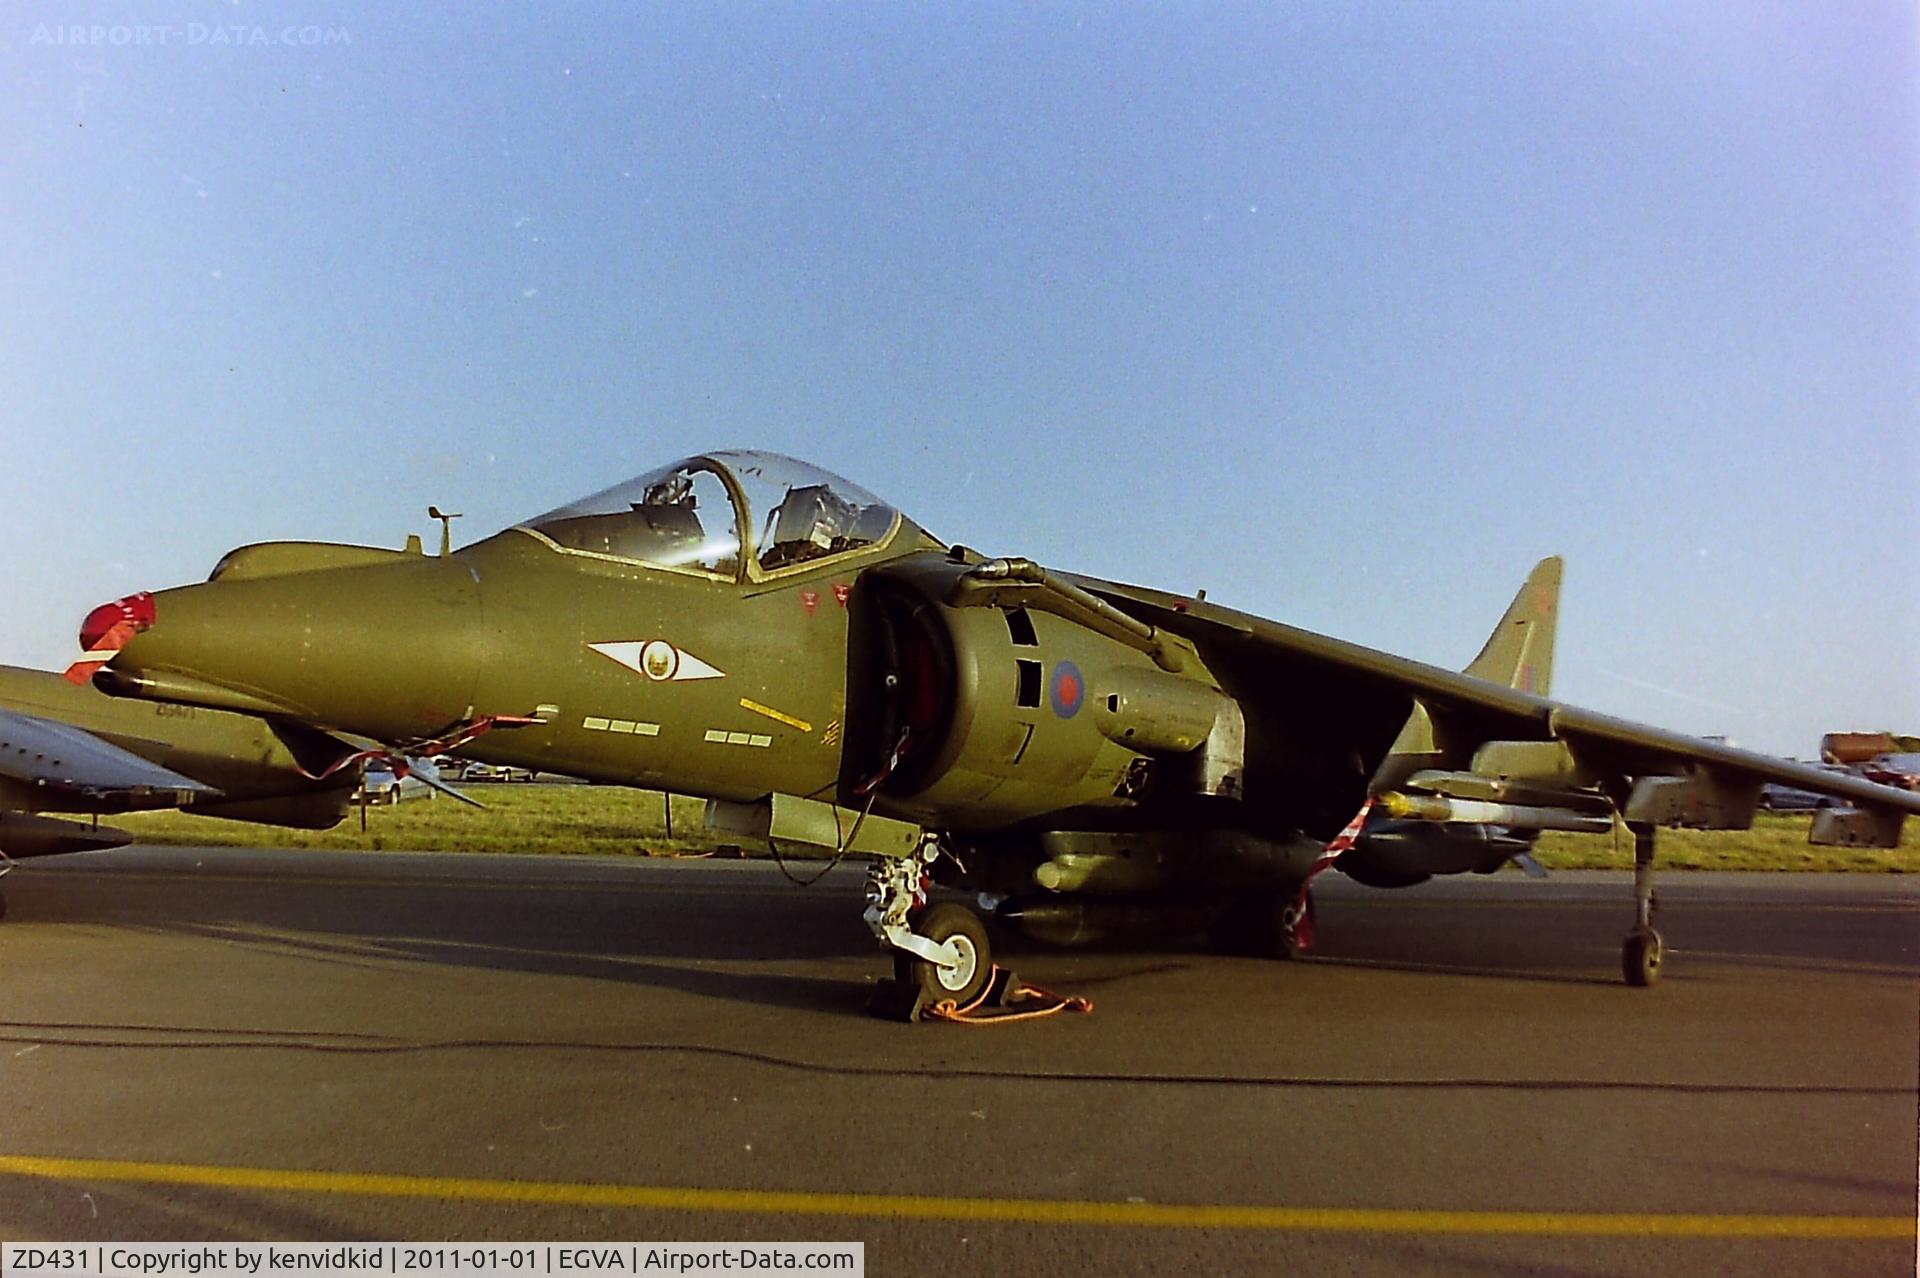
[397, 757]
[1348, 836]
[107, 630]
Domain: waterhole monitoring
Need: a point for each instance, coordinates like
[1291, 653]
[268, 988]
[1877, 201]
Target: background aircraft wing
[42, 752]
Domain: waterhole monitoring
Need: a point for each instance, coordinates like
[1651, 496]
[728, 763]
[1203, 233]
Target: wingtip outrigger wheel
[1640, 958]
[1643, 952]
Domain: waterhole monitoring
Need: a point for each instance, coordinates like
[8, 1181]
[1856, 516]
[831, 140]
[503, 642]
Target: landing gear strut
[1641, 955]
[941, 953]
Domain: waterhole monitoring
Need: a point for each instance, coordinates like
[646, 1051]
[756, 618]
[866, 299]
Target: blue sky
[1347, 313]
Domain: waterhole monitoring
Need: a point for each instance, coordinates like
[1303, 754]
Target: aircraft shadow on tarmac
[719, 939]
[722, 937]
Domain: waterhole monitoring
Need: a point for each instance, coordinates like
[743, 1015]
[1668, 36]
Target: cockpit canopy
[719, 512]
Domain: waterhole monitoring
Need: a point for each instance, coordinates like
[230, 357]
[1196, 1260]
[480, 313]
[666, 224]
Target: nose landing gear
[962, 981]
[941, 953]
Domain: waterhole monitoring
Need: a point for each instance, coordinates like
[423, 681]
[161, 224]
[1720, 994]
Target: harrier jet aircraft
[69, 750]
[1087, 756]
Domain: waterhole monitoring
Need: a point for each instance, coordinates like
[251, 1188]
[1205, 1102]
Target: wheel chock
[896, 1000]
[1003, 989]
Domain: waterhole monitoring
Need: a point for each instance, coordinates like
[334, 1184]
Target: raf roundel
[658, 660]
[1069, 689]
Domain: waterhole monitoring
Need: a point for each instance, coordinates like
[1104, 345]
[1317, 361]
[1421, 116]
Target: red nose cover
[106, 631]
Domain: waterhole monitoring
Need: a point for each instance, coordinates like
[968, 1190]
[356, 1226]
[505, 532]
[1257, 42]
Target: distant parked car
[1902, 771]
[1775, 797]
[1785, 798]
[495, 772]
[378, 785]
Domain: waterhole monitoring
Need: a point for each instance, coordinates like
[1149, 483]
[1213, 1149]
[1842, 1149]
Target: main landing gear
[941, 952]
[1643, 952]
[1276, 924]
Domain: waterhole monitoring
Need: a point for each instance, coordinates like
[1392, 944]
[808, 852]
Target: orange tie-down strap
[1006, 999]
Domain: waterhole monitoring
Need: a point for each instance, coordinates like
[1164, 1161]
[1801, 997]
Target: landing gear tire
[1264, 926]
[3, 905]
[1640, 958]
[963, 983]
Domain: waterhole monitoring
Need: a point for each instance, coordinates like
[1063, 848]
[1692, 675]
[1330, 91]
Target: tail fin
[1519, 653]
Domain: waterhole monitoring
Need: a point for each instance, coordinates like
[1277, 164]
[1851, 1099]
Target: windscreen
[679, 516]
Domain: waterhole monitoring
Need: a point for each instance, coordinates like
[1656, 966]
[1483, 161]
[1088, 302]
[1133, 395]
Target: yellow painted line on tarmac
[922, 1207]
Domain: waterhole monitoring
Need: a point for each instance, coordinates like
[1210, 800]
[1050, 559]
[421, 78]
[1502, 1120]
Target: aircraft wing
[1384, 723]
[1637, 748]
[40, 752]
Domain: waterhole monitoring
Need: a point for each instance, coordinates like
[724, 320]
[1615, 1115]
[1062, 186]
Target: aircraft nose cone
[388, 649]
